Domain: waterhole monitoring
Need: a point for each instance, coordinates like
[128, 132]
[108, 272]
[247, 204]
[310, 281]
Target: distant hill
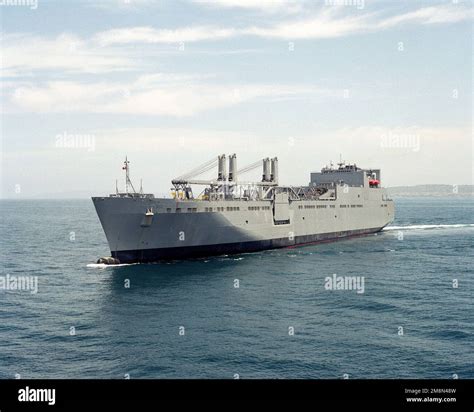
[431, 190]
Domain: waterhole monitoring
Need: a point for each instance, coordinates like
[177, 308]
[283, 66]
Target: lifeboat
[374, 182]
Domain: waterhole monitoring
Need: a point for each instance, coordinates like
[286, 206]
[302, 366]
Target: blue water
[245, 330]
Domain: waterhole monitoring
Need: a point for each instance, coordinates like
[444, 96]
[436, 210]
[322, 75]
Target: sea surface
[186, 319]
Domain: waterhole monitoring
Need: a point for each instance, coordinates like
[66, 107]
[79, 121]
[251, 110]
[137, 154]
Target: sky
[172, 84]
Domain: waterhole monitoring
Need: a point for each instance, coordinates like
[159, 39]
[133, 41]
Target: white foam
[427, 227]
[103, 265]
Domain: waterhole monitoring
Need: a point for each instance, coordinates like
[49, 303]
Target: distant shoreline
[432, 191]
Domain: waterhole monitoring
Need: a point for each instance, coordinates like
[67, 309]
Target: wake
[104, 265]
[427, 227]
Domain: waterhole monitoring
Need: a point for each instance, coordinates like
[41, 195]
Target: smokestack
[232, 168]
[274, 176]
[222, 168]
[266, 170]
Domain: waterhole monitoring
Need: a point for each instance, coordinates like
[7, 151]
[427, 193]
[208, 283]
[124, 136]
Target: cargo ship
[232, 216]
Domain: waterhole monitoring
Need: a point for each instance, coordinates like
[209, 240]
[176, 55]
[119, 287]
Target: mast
[341, 163]
[128, 182]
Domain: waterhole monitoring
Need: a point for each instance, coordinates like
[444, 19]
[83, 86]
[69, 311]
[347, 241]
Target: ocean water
[408, 275]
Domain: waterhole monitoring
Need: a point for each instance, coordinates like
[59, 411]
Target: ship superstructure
[232, 215]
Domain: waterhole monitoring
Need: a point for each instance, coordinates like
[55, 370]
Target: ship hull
[190, 252]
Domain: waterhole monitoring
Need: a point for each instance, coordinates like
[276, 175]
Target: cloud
[325, 25]
[429, 15]
[271, 6]
[149, 95]
[151, 35]
[328, 22]
[121, 5]
[23, 53]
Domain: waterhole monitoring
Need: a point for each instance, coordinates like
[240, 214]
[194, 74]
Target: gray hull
[180, 229]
